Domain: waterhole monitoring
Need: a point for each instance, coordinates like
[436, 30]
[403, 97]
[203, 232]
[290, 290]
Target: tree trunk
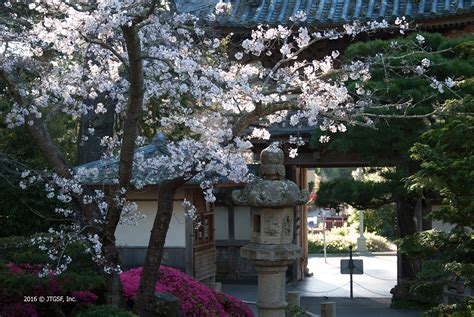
[113, 283]
[127, 151]
[156, 245]
[407, 267]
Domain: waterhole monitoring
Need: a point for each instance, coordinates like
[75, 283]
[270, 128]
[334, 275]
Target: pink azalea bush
[12, 302]
[86, 297]
[18, 310]
[196, 299]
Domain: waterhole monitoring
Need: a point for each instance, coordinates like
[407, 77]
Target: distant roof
[104, 172]
[248, 13]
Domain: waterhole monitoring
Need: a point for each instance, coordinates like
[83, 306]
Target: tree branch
[130, 126]
[107, 47]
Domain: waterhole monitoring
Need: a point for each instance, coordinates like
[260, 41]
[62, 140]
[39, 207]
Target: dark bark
[127, 151]
[51, 153]
[130, 127]
[407, 266]
[155, 249]
[112, 280]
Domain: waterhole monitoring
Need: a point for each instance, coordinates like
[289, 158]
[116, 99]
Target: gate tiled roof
[248, 13]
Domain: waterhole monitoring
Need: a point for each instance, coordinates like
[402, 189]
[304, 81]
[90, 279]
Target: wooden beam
[329, 159]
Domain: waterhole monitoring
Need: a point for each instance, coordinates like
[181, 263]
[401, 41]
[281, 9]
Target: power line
[368, 290]
[380, 278]
[321, 292]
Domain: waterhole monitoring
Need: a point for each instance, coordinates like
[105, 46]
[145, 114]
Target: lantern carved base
[272, 199]
[271, 262]
[269, 253]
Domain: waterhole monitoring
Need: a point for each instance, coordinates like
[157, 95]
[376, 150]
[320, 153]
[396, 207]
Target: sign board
[357, 267]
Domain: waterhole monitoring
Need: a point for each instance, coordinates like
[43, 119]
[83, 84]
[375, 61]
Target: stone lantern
[272, 199]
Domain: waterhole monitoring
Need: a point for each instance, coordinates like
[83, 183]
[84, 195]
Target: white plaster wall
[221, 223]
[242, 223]
[138, 236]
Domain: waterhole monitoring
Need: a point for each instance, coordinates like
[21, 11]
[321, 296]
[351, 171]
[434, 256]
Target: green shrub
[17, 249]
[295, 311]
[376, 243]
[342, 231]
[338, 240]
[105, 311]
[463, 309]
[20, 263]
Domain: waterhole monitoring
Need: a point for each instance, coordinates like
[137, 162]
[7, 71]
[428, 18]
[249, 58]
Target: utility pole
[351, 270]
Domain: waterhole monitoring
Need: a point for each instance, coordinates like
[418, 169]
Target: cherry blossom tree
[169, 71]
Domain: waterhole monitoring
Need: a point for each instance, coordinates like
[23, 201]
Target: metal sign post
[352, 267]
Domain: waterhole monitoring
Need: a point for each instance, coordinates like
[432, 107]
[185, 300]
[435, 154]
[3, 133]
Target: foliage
[463, 309]
[104, 311]
[295, 311]
[381, 221]
[338, 241]
[310, 186]
[446, 168]
[22, 212]
[196, 299]
[359, 194]
[161, 70]
[26, 212]
[389, 144]
[446, 156]
[22, 276]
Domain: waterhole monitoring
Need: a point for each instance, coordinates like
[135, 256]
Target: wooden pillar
[189, 233]
[304, 224]
[328, 309]
[232, 251]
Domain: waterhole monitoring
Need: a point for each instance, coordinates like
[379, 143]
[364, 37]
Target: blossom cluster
[76, 59]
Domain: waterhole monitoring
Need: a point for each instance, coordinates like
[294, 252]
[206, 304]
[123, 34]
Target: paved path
[371, 290]
[380, 276]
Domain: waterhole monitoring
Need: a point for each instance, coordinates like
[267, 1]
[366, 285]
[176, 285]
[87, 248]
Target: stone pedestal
[271, 290]
[272, 199]
[362, 244]
[271, 262]
[361, 241]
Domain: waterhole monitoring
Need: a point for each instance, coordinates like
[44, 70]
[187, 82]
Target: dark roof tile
[246, 13]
